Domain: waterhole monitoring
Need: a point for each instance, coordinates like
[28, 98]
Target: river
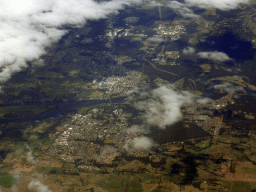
[61, 108]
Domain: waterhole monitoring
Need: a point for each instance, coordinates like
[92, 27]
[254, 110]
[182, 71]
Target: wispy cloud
[156, 39]
[30, 158]
[29, 26]
[185, 9]
[230, 88]
[182, 9]
[211, 55]
[214, 56]
[189, 51]
[137, 129]
[163, 108]
[38, 186]
[142, 143]
[218, 4]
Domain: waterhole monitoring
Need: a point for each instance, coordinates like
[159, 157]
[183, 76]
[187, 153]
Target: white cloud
[155, 39]
[189, 51]
[142, 143]
[137, 129]
[227, 87]
[214, 55]
[154, 3]
[211, 55]
[185, 10]
[29, 26]
[38, 186]
[30, 157]
[204, 101]
[218, 4]
[182, 9]
[163, 108]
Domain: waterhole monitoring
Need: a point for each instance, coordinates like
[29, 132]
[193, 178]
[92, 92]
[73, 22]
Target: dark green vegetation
[18, 112]
[6, 180]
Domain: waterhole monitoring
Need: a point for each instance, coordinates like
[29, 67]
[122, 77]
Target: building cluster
[163, 32]
[90, 139]
[173, 32]
[100, 137]
[120, 85]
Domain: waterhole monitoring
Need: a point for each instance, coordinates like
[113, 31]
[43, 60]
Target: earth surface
[144, 100]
